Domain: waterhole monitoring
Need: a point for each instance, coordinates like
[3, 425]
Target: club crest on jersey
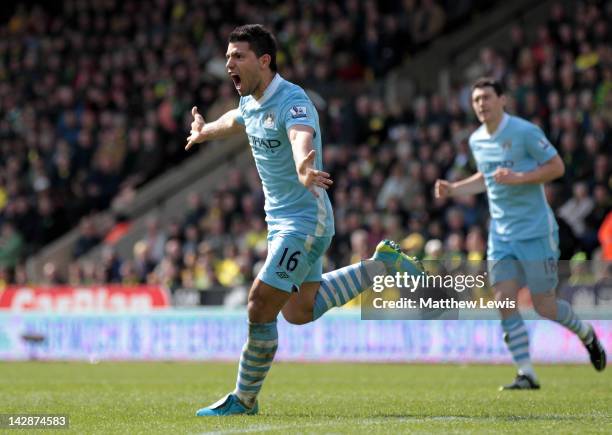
[507, 145]
[298, 112]
[268, 120]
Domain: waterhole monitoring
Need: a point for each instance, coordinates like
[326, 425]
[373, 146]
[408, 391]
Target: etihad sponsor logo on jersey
[266, 144]
[484, 146]
[298, 112]
[491, 166]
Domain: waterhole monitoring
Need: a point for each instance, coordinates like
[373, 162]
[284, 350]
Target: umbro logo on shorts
[282, 275]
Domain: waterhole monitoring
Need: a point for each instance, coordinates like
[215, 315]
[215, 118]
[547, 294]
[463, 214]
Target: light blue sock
[255, 361]
[567, 318]
[341, 285]
[517, 340]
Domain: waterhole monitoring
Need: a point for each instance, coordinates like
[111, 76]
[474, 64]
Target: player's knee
[545, 308]
[256, 307]
[297, 317]
[502, 294]
[264, 304]
[545, 304]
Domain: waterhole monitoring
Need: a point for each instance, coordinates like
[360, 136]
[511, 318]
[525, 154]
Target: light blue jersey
[517, 212]
[289, 206]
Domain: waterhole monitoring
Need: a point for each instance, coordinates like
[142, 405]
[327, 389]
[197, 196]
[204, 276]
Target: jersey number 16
[292, 261]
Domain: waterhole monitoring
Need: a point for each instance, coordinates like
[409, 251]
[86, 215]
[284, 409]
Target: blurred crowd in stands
[95, 102]
[94, 93]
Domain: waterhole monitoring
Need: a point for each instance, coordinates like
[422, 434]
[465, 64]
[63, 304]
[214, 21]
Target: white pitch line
[366, 422]
[264, 428]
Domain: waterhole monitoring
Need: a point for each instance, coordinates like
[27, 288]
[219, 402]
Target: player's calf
[342, 285]
[516, 337]
[258, 352]
[255, 362]
[568, 318]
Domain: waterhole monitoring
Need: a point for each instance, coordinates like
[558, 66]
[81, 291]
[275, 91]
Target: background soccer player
[282, 126]
[514, 159]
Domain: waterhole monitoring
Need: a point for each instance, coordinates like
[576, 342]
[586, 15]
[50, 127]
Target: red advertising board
[84, 299]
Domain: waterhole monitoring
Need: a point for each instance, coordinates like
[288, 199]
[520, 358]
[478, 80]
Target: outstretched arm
[468, 186]
[301, 137]
[225, 126]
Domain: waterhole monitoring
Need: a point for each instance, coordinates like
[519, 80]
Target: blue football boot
[228, 405]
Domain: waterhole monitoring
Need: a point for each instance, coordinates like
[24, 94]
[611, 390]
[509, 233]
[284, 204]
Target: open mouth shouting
[237, 81]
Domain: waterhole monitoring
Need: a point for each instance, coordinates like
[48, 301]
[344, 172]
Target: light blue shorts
[293, 259]
[532, 263]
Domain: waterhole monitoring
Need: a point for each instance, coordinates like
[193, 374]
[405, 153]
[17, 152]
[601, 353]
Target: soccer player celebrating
[514, 159]
[282, 126]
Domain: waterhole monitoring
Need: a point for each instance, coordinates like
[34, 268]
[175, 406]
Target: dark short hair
[484, 82]
[260, 40]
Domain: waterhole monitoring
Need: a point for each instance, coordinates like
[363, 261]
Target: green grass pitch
[150, 398]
